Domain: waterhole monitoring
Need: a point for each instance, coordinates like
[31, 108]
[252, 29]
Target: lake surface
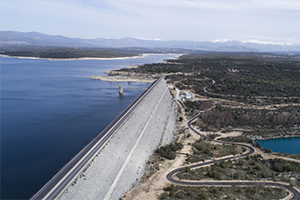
[50, 110]
[283, 145]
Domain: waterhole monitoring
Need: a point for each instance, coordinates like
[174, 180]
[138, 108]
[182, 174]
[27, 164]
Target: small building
[187, 95]
[188, 74]
[293, 181]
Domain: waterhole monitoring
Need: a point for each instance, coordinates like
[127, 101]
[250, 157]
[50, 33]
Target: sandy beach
[83, 58]
[123, 77]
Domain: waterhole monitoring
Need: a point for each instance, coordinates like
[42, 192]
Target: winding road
[296, 194]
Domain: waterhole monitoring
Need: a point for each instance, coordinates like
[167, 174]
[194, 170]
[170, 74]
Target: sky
[275, 21]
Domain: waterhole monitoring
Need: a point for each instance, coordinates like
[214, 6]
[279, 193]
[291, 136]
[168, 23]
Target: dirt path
[268, 156]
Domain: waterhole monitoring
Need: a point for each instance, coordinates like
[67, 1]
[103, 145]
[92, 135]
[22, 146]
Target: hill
[13, 38]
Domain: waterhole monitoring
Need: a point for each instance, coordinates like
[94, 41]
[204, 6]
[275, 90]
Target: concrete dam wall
[121, 163]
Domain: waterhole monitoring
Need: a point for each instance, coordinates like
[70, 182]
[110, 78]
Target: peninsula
[121, 76]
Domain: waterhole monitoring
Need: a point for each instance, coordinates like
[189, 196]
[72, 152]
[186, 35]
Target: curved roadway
[296, 194]
[55, 186]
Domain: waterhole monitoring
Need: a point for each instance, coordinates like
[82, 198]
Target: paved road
[182, 105]
[72, 169]
[296, 194]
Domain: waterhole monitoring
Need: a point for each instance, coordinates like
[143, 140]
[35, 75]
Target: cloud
[167, 19]
[207, 4]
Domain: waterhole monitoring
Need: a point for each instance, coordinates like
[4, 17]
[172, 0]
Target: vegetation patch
[254, 78]
[269, 134]
[193, 107]
[66, 52]
[219, 193]
[294, 156]
[222, 117]
[204, 150]
[239, 139]
[152, 166]
[168, 151]
[249, 168]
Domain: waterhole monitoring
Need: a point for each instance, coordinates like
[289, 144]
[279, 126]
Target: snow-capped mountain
[9, 38]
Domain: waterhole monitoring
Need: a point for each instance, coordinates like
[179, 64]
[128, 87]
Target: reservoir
[50, 110]
[283, 145]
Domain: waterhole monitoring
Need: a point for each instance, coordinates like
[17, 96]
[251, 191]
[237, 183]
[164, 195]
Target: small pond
[289, 145]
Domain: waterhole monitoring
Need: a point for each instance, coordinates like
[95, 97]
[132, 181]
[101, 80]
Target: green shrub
[168, 151]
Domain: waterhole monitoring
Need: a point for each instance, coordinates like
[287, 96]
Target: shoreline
[139, 79]
[278, 137]
[175, 58]
[67, 59]
[88, 58]
[135, 78]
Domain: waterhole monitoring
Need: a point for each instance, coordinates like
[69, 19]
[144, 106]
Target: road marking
[112, 187]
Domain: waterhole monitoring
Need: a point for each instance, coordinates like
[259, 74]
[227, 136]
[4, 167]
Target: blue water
[50, 110]
[283, 145]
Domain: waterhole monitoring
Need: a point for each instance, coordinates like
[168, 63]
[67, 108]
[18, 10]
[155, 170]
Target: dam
[120, 162]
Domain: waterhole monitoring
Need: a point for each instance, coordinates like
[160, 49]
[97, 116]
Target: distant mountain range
[13, 38]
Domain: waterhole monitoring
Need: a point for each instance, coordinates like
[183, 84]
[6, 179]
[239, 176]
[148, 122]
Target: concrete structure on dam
[121, 162]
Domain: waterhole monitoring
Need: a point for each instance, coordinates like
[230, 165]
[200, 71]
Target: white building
[187, 95]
